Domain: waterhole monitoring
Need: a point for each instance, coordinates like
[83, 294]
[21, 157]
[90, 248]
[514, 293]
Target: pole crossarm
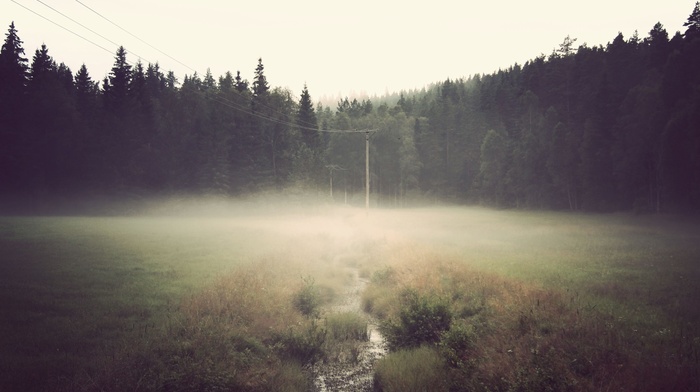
[347, 130]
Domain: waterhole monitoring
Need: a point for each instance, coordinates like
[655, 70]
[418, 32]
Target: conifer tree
[306, 120]
[119, 83]
[693, 24]
[260, 86]
[241, 84]
[13, 81]
[13, 64]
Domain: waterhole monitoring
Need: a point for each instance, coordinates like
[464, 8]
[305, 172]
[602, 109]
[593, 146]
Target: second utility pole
[367, 172]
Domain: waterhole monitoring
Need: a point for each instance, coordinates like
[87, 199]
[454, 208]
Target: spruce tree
[119, 83]
[13, 82]
[13, 64]
[306, 120]
[241, 84]
[260, 86]
[693, 24]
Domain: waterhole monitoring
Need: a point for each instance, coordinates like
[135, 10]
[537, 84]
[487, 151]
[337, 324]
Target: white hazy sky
[336, 48]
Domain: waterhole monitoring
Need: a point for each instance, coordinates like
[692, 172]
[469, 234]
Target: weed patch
[411, 370]
[346, 326]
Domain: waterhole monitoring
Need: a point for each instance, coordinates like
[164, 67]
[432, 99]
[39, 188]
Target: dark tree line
[613, 127]
[140, 132]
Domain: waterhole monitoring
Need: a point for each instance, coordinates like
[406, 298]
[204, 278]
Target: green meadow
[211, 301]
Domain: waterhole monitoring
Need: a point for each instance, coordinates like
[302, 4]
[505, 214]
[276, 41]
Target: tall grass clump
[376, 298]
[411, 370]
[346, 326]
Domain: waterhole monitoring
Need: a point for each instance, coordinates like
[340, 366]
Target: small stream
[352, 375]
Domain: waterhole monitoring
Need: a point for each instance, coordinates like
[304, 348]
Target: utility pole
[366, 132]
[367, 171]
[332, 168]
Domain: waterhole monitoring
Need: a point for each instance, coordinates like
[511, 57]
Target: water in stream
[356, 374]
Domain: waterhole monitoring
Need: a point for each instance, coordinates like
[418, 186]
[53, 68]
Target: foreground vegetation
[468, 298]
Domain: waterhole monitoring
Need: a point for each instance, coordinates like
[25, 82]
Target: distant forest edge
[605, 128]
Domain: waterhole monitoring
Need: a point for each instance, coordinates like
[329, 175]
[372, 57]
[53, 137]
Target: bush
[422, 319]
[419, 369]
[304, 345]
[308, 299]
[456, 343]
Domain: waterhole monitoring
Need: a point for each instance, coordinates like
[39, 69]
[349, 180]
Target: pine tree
[241, 84]
[13, 82]
[693, 24]
[119, 83]
[85, 89]
[306, 120]
[658, 46]
[260, 86]
[51, 128]
[13, 64]
[226, 82]
[42, 66]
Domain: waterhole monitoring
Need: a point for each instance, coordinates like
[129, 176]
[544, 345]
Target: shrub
[308, 299]
[419, 369]
[456, 343]
[305, 345]
[422, 319]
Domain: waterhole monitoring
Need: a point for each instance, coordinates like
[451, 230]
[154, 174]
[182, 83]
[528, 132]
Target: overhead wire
[89, 29]
[307, 126]
[219, 99]
[133, 35]
[64, 28]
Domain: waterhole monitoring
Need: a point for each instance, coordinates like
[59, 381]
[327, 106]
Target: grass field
[188, 300]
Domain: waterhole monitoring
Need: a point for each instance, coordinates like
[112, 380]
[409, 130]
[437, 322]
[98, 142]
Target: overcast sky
[336, 48]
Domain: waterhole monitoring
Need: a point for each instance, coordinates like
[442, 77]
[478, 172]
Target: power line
[171, 57]
[133, 35]
[220, 100]
[64, 28]
[88, 29]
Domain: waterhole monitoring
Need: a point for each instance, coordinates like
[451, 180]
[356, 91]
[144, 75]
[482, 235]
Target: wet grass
[539, 301]
[80, 296]
[555, 302]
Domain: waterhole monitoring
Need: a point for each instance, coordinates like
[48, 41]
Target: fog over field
[143, 295]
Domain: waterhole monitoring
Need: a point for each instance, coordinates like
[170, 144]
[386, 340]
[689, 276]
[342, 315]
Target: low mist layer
[148, 298]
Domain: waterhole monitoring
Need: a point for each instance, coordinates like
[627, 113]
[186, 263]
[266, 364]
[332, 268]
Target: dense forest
[614, 127]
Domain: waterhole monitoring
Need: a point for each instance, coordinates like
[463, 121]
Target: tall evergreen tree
[693, 24]
[117, 94]
[13, 65]
[260, 86]
[13, 81]
[306, 120]
[86, 90]
[241, 84]
[51, 128]
[658, 46]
